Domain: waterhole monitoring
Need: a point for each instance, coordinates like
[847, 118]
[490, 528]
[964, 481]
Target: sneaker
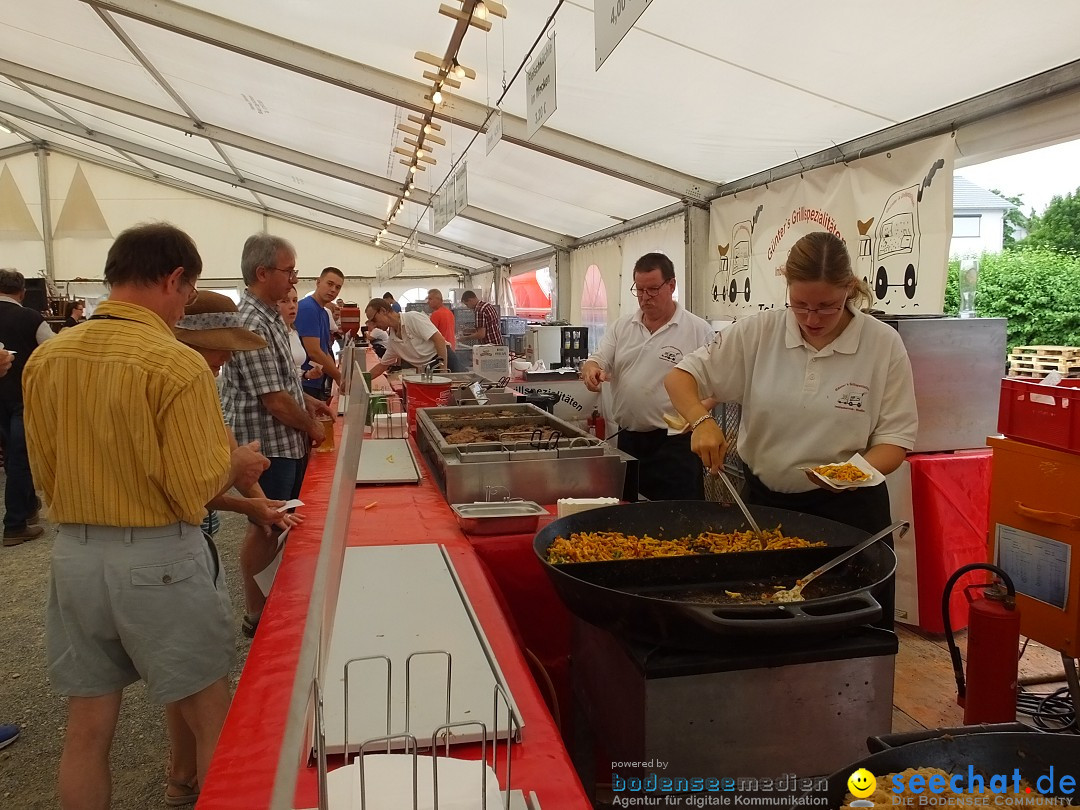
[8, 735]
[14, 537]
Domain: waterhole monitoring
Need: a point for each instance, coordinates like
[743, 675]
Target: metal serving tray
[575, 465]
[499, 517]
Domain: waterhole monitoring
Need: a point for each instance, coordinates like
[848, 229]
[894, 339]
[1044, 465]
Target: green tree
[1015, 219]
[1036, 288]
[1058, 227]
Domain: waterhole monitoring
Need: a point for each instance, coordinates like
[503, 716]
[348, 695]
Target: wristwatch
[698, 421]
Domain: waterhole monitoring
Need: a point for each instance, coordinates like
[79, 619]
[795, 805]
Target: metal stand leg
[1074, 682]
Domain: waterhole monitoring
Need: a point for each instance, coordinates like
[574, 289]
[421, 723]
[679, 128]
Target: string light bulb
[436, 98]
[412, 169]
[459, 71]
[427, 129]
[420, 153]
[480, 11]
[407, 192]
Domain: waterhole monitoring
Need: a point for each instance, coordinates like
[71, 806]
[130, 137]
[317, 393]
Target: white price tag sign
[540, 88]
[611, 20]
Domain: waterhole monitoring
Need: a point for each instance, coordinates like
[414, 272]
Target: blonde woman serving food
[819, 381]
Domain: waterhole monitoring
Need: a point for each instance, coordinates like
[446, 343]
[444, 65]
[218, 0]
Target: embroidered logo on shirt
[673, 354]
[850, 397]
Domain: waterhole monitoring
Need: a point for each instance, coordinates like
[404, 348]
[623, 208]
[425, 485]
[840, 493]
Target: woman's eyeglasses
[824, 312]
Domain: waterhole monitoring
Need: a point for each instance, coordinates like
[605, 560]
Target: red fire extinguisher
[597, 424]
[989, 695]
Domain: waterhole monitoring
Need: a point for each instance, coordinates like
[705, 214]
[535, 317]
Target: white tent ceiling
[292, 107]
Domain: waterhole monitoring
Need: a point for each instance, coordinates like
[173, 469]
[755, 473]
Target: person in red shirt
[443, 318]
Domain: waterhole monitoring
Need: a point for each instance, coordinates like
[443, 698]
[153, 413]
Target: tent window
[417, 295]
[594, 306]
[966, 225]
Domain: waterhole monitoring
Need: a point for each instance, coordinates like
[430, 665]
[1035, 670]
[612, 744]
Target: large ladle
[795, 594]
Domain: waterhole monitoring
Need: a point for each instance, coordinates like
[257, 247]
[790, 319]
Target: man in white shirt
[635, 355]
[411, 338]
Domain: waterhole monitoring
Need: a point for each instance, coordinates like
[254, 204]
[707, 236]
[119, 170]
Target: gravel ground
[28, 767]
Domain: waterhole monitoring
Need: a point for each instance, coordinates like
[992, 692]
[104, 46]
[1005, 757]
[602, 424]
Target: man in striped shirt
[127, 443]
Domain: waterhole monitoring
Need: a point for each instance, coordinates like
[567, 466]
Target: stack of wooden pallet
[1038, 361]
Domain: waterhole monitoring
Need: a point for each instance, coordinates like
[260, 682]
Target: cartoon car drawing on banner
[896, 241]
[741, 255]
[717, 284]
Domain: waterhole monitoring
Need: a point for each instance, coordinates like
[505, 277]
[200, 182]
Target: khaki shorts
[126, 604]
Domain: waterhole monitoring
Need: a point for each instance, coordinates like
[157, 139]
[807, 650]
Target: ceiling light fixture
[459, 14]
[6, 130]
[480, 11]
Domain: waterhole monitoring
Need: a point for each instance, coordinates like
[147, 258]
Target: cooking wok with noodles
[690, 600]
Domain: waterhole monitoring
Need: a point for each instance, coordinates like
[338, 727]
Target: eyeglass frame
[293, 272]
[650, 292]
[823, 312]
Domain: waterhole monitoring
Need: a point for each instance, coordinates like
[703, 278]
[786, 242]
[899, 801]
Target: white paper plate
[860, 462]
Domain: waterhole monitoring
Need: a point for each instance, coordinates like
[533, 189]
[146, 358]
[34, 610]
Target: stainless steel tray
[499, 517]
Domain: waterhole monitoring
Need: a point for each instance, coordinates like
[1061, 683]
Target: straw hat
[212, 321]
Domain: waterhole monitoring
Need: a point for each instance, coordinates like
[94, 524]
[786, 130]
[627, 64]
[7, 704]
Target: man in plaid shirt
[488, 328]
[262, 399]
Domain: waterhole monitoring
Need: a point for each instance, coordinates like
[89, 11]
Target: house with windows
[978, 219]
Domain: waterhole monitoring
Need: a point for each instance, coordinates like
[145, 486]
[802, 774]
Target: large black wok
[682, 601]
[1032, 753]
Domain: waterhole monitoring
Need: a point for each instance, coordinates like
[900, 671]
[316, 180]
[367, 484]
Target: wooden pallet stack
[1038, 361]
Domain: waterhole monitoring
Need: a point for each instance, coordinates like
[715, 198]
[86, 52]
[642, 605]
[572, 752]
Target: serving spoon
[795, 594]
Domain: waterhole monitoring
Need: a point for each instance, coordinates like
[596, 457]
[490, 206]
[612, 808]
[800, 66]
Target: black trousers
[668, 470]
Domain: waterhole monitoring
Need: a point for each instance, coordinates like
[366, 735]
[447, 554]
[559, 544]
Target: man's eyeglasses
[291, 272]
[648, 292]
[193, 294]
[824, 312]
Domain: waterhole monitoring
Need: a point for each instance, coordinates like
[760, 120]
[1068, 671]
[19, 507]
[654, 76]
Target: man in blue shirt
[313, 326]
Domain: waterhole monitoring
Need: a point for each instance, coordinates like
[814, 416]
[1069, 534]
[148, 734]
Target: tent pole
[46, 212]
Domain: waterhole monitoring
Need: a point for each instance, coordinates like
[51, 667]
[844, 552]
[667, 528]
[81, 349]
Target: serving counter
[250, 751]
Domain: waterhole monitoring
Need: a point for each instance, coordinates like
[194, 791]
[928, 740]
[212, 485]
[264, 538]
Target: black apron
[865, 508]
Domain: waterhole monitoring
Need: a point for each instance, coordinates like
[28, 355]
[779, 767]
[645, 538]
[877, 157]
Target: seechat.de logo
[862, 784]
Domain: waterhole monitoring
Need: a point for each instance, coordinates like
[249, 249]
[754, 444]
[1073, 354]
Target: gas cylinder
[597, 424]
[989, 694]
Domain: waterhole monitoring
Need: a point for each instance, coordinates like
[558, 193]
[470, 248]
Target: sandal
[249, 625]
[190, 793]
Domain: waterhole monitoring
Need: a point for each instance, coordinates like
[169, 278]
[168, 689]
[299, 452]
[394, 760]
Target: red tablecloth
[541, 620]
[950, 494]
[242, 773]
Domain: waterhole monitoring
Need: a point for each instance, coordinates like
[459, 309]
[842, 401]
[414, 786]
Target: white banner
[396, 265]
[540, 88]
[893, 210]
[611, 20]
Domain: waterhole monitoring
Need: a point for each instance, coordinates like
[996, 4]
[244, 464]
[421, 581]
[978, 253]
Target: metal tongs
[739, 502]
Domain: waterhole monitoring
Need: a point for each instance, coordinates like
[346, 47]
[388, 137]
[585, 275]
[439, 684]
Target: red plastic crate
[1046, 415]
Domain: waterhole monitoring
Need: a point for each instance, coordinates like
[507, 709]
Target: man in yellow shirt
[127, 442]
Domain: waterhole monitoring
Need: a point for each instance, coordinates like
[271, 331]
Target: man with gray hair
[21, 331]
[262, 399]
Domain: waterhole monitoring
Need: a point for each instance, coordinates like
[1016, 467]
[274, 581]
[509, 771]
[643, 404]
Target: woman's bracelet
[698, 421]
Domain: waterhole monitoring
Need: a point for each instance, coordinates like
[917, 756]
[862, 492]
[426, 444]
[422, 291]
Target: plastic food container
[499, 517]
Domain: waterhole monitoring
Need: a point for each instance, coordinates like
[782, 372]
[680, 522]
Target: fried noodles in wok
[603, 546]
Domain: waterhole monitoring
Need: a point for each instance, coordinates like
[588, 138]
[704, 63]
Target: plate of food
[855, 472]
